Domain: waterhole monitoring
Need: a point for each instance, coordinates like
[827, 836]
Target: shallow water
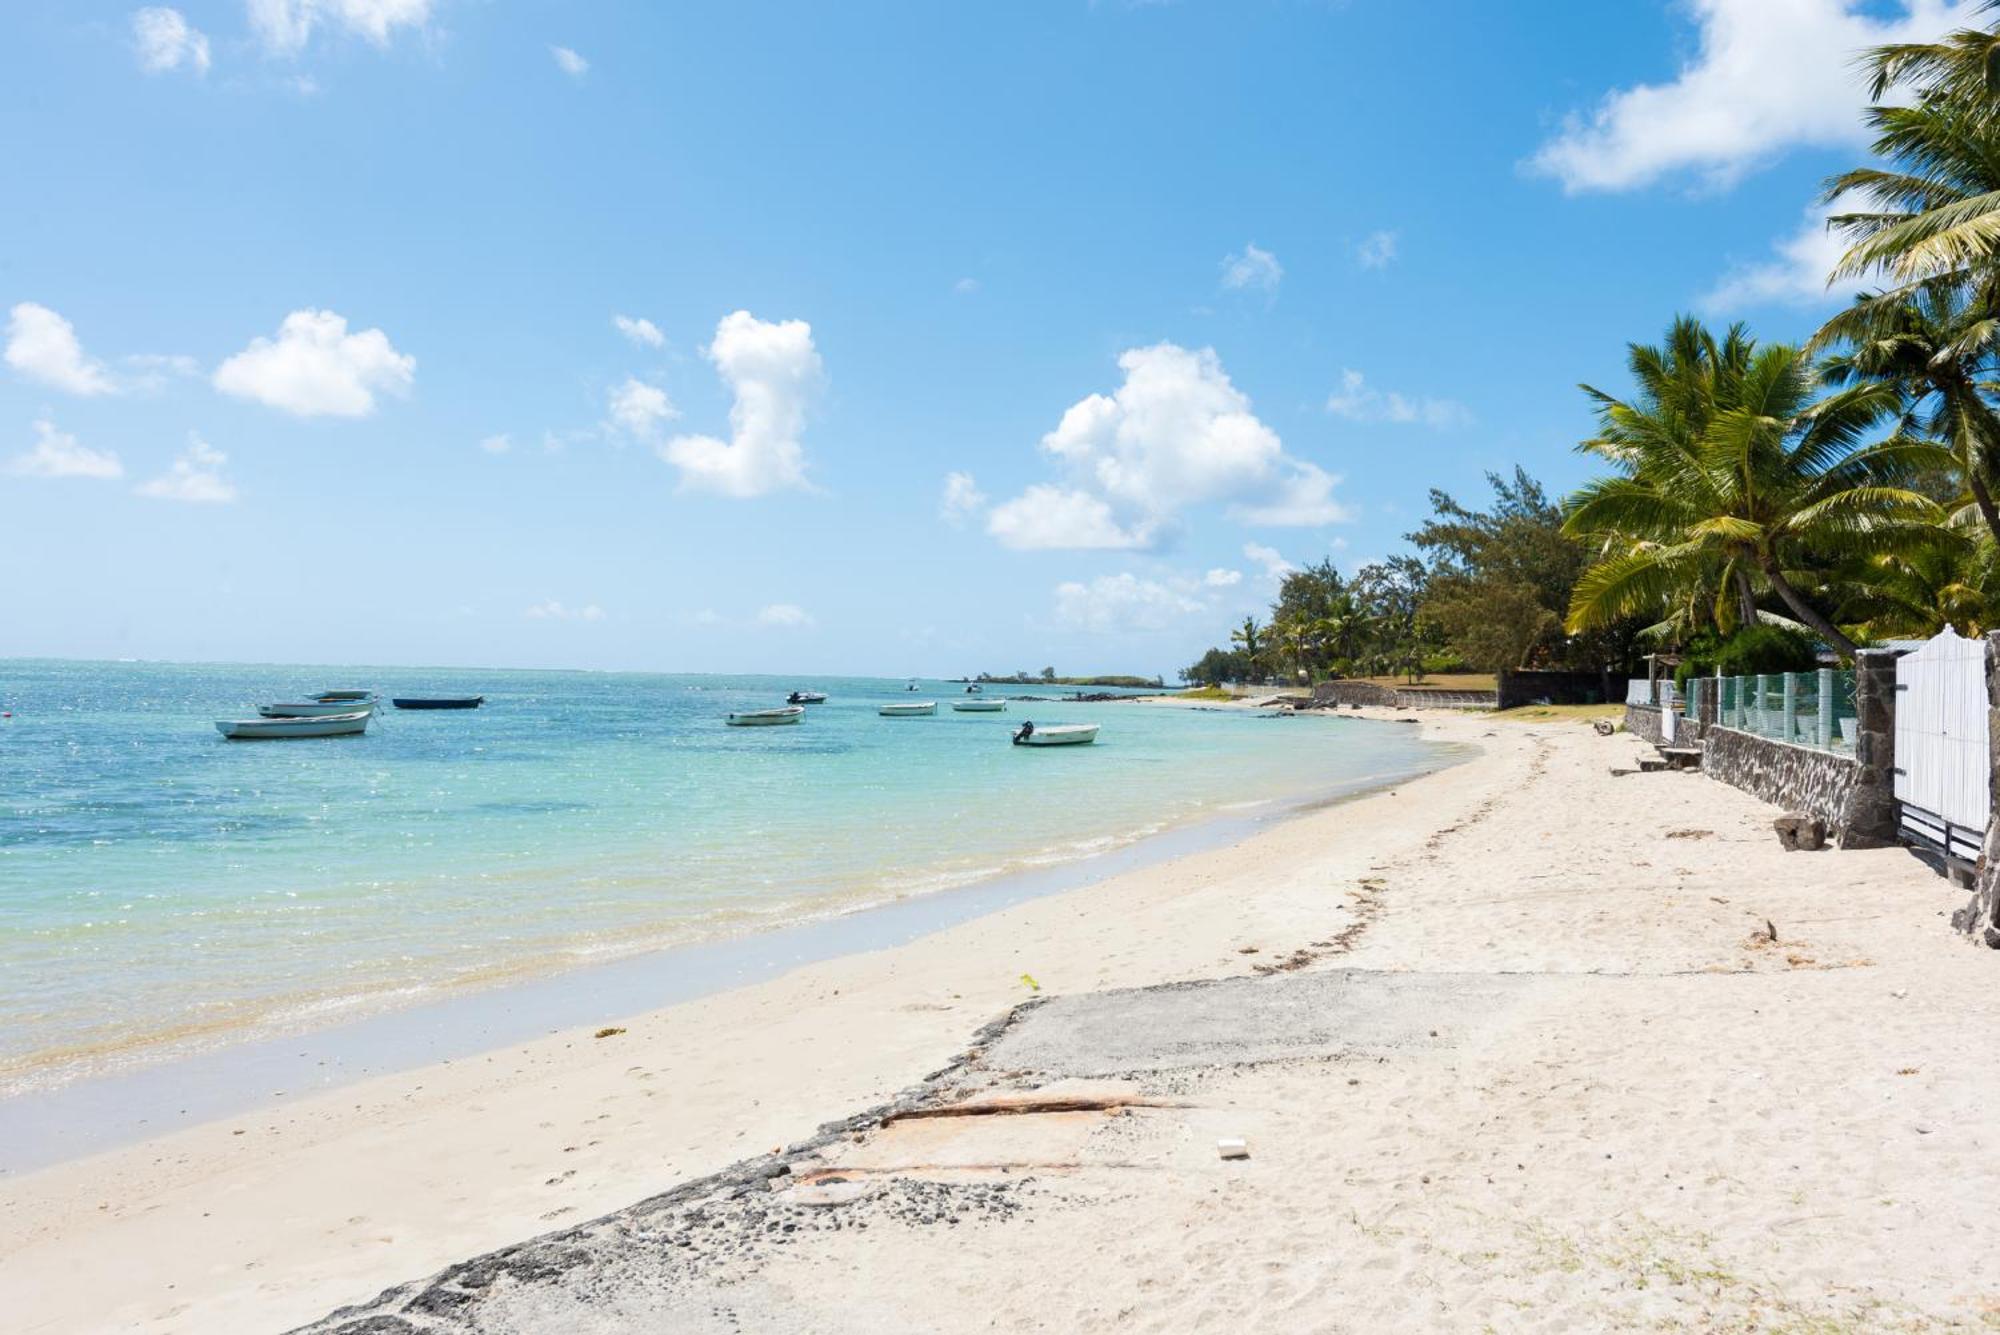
[161, 888]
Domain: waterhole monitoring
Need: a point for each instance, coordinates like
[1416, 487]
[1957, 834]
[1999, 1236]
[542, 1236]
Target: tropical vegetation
[1758, 501]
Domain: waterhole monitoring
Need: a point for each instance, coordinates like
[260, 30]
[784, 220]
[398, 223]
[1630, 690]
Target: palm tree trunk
[1984, 500]
[1804, 611]
[1746, 597]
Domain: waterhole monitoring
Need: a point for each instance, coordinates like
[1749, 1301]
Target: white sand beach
[1613, 1102]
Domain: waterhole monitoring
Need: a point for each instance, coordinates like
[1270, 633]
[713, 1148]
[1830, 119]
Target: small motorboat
[316, 708]
[766, 718]
[978, 705]
[908, 709]
[437, 701]
[1056, 734]
[273, 729]
[974, 689]
[806, 698]
[333, 697]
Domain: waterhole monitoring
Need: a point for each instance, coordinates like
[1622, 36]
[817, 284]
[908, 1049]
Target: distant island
[1047, 677]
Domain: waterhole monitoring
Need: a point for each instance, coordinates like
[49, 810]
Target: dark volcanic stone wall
[1796, 778]
[1643, 721]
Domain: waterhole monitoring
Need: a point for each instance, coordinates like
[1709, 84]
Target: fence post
[1869, 817]
[1980, 918]
[1825, 707]
[1789, 731]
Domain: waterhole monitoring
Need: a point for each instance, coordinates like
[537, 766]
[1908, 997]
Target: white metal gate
[1944, 776]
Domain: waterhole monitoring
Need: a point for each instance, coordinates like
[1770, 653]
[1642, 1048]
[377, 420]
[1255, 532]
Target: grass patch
[1439, 681]
[1204, 693]
[1544, 713]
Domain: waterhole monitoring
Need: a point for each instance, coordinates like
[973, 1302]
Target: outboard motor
[1024, 732]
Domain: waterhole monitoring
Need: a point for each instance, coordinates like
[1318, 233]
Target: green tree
[1727, 463]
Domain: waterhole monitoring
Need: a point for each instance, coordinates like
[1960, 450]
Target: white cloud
[43, 346]
[965, 287]
[1045, 518]
[555, 611]
[1125, 602]
[640, 330]
[1767, 75]
[1376, 250]
[315, 368]
[1255, 267]
[195, 477]
[1220, 578]
[1357, 402]
[1176, 433]
[286, 26]
[1276, 567]
[640, 409]
[154, 369]
[962, 498]
[569, 62]
[497, 444]
[165, 41]
[59, 454]
[773, 370]
[784, 615]
[1796, 273]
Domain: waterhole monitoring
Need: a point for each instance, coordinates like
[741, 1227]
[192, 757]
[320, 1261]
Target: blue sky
[953, 337]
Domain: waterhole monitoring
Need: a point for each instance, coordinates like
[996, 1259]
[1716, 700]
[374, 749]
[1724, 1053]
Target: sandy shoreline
[1667, 1124]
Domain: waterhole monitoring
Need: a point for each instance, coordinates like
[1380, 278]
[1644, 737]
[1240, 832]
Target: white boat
[806, 698]
[1055, 734]
[334, 697]
[976, 705]
[272, 729]
[317, 708]
[910, 709]
[765, 718]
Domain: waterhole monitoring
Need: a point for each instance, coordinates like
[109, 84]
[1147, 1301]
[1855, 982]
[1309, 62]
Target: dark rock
[1800, 831]
[1605, 727]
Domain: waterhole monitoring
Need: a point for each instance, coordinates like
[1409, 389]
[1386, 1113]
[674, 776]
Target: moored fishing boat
[806, 698]
[765, 718]
[330, 697]
[316, 708]
[978, 705]
[274, 729]
[908, 709]
[1055, 734]
[437, 701]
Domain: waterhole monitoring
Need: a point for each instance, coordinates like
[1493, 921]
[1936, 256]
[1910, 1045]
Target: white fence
[1639, 691]
[1944, 777]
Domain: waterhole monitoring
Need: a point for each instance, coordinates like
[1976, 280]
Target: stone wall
[1643, 722]
[1526, 686]
[1797, 778]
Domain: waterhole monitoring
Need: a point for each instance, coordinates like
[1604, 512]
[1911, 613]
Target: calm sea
[161, 888]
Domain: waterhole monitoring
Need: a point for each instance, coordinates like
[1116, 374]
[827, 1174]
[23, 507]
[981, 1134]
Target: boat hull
[913, 710]
[315, 709]
[977, 706]
[282, 729]
[438, 702]
[334, 697]
[766, 718]
[1059, 734]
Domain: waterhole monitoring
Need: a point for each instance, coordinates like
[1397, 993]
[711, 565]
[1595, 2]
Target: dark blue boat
[438, 702]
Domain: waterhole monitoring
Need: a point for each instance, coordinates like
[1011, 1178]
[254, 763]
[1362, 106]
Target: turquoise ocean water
[161, 888]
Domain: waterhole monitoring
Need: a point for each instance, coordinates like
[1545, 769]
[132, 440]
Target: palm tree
[1949, 580]
[1250, 638]
[1728, 471]
[1935, 212]
[1937, 350]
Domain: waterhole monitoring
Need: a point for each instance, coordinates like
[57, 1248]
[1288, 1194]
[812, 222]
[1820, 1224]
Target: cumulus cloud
[1376, 251]
[196, 477]
[1176, 433]
[1796, 272]
[315, 368]
[59, 454]
[784, 615]
[640, 330]
[43, 346]
[555, 611]
[962, 498]
[286, 26]
[1127, 602]
[1221, 578]
[1766, 76]
[497, 444]
[1276, 567]
[1254, 268]
[165, 41]
[773, 370]
[569, 62]
[965, 287]
[640, 409]
[1045, 518]
[1358, 402]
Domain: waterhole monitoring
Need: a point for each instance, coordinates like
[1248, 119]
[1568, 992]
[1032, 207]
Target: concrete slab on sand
[1239, 1021]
